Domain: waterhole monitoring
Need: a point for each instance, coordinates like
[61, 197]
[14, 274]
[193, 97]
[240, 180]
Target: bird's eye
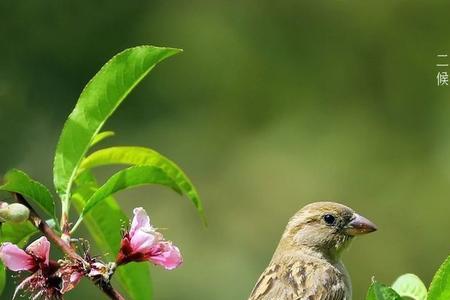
[329, 219]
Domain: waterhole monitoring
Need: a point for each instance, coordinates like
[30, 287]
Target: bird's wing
[300, 281]
[266, 282]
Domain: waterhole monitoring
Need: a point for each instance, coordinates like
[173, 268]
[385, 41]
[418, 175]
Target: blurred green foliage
[272, 105]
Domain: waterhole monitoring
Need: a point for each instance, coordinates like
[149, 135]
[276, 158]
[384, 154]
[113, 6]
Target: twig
[47, 231]
[65, 247]
[110, 291]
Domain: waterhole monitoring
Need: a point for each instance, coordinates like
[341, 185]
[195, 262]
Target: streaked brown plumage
[307, 262]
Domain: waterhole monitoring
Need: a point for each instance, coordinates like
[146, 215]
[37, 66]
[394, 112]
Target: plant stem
[65, 247]
[110, 291]
[78, 222]
[65, 207]
[47, 231]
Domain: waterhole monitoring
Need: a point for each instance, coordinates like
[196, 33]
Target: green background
[272, 105]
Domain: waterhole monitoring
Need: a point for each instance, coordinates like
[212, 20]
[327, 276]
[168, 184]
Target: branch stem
[65, 207]
[110, 291]
[65, 247]
[47, 231]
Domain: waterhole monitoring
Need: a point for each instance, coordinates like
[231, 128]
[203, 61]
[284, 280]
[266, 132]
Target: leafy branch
[106, 287]
[75, 184]
[99, 99]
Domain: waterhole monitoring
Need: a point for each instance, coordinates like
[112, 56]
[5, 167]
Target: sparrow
[307, 262]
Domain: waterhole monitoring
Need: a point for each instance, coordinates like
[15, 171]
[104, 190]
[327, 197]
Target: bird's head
[325, 227]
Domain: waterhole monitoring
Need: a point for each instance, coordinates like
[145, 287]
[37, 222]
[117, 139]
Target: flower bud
[14, 213]
[3, 211]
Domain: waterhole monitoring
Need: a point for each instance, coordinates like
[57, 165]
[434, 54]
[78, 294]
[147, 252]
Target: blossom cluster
[51, 279]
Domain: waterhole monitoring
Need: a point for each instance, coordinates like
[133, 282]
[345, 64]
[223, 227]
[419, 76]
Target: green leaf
[410, 286]
[128, 178]
[2, 278]
[99, 99]
[106, 219]
[144, 156]
[440, 285]
[19, 182]
[378, 291]
[101, 136]
[104, 225]
[136, 280]
[18, 234]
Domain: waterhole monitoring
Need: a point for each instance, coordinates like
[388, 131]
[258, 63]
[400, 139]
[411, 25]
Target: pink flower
[144, 243]
[34, 257]
[70, 282]
[69, 274]
[46, 280]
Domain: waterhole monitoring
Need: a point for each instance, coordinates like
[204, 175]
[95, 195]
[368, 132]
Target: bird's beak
[359, 225]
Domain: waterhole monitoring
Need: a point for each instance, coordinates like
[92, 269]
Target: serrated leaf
[144, 156]
[99, 99]
[19, 182]
[101, 136]
[378, 291]
[440, 285]
[410, 286]
[128, 178]
[104, 225]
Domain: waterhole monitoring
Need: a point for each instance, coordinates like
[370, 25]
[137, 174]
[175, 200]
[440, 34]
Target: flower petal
[23, 285]
[168, 256]
[143, 241]
[40, 248]
[140, 221]
[15, 258]
[70, 281]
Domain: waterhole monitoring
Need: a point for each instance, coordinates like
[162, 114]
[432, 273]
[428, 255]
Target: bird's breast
[302, 277]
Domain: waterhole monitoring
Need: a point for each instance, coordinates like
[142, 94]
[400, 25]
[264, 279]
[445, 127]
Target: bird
[307, 263]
